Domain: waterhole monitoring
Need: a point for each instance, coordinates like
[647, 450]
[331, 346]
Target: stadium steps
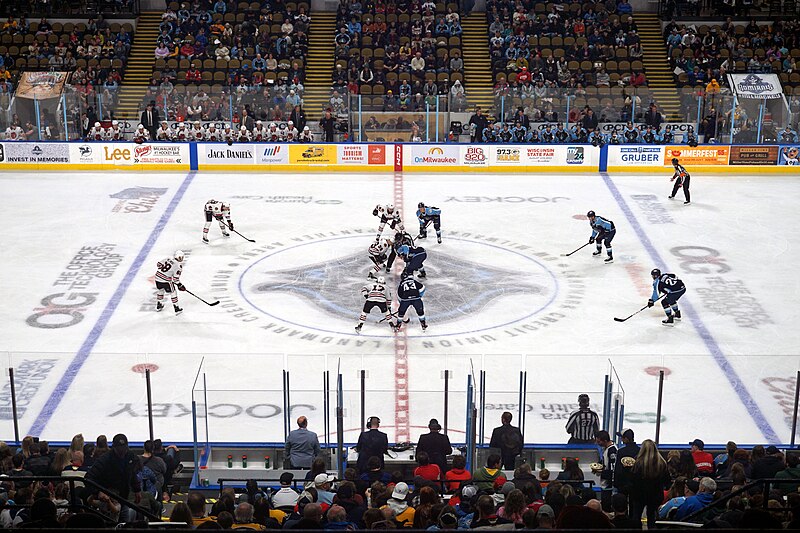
[478, 80]
[319, 64]
[657, 69]
[139, 68]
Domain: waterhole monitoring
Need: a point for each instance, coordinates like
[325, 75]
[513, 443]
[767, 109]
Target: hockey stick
[575, 250]
[240, 235]
[391, 315]
[211, 304]
[636, 313]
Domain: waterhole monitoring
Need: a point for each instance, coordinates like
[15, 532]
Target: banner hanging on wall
[41, 85]
[756, 86]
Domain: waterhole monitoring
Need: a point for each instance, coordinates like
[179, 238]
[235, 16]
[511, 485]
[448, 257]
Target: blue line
[711, 344]
[94, 335]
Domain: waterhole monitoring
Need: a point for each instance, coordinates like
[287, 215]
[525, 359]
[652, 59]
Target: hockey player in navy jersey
[414, 258]
[673, 288]
[426, 215]
[603, 231]
[410, 292]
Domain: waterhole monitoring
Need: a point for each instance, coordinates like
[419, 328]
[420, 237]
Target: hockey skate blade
[672, 325]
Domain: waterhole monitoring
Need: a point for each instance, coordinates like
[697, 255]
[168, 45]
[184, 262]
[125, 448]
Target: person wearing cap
[398, 504]
[436, 445]
[323, 485]
[703, 461]
[626, 458]
[546, 517]
[116, 470]
[768, 466]
[584, 423]
[371, 443]
[285, 498]
[704, 496]
[302, 445]
[508, 440]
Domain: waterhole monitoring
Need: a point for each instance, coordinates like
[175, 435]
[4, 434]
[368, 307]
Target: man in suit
[508, 440]
[371, 443]
[150, 119]
[436, 445]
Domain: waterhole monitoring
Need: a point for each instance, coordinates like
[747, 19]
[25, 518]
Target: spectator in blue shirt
[704, 496]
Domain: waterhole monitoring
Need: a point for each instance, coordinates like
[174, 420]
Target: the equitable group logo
[307, 288]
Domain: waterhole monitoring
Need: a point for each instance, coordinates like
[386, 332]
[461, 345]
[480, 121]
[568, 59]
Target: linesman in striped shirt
[583, 424]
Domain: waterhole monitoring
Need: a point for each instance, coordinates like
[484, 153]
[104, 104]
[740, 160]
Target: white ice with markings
[79, 323]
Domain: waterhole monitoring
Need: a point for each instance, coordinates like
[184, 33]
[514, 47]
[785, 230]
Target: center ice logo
[456, 287]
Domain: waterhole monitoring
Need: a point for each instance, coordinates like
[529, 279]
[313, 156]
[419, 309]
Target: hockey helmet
[421, 205]
[656, 273]
[96, 124]
[381, 280]
[406, 275]
[674, 160]
[590, 214]
[390, 208]
[178, 256]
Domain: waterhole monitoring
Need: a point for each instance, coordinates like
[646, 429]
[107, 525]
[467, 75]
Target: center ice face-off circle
[471, 286]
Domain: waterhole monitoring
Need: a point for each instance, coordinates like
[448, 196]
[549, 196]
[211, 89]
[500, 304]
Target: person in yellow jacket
[403, 513]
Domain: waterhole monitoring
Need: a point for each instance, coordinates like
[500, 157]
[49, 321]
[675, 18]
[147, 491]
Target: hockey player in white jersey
[387, 213]
[14, 133]
[114, 133]
[198, 133]
[378, 252]
[168, 279]
[164, 132]
[214, 135]
[291, 130]
[244, 135]
[306, 136]
[375, 295]
[217, 210]
[141, 135]
[259, 132]
[96, 133]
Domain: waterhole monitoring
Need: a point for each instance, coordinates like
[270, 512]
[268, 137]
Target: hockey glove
[650, 303]
[180, 286]
[591, 240]
[230, 225]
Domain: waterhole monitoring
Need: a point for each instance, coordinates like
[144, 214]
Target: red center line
[401, 422]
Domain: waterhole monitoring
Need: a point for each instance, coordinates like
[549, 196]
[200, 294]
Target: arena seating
[240, 55]
[390, 53]
[707, 52]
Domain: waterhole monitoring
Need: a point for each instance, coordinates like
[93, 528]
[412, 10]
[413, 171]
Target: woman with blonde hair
[77, 443]
[62, 459]
[650, 477]
[25, 448]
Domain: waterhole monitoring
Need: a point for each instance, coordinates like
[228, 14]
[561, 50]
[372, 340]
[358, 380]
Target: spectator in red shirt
[193, 75]
[703, 460]
[456, 475]
[426, 470]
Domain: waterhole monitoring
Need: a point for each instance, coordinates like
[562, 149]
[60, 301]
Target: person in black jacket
[371, 443]
[298, 116]
[625, 460]
[327, 124]
[765, 467]
[508, 440]
[478, 122]
[150, 119]
[116, 470]
[436, 445]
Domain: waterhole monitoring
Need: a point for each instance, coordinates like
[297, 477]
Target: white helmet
[178, 256]
[115, 122]
[390, 208]
[140, 127]
[243, 128]
[381, 280]
[96, 124]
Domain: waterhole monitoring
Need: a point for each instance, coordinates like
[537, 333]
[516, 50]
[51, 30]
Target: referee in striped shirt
[583, 424]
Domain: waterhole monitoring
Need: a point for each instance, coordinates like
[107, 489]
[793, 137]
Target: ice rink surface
[79, 322]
